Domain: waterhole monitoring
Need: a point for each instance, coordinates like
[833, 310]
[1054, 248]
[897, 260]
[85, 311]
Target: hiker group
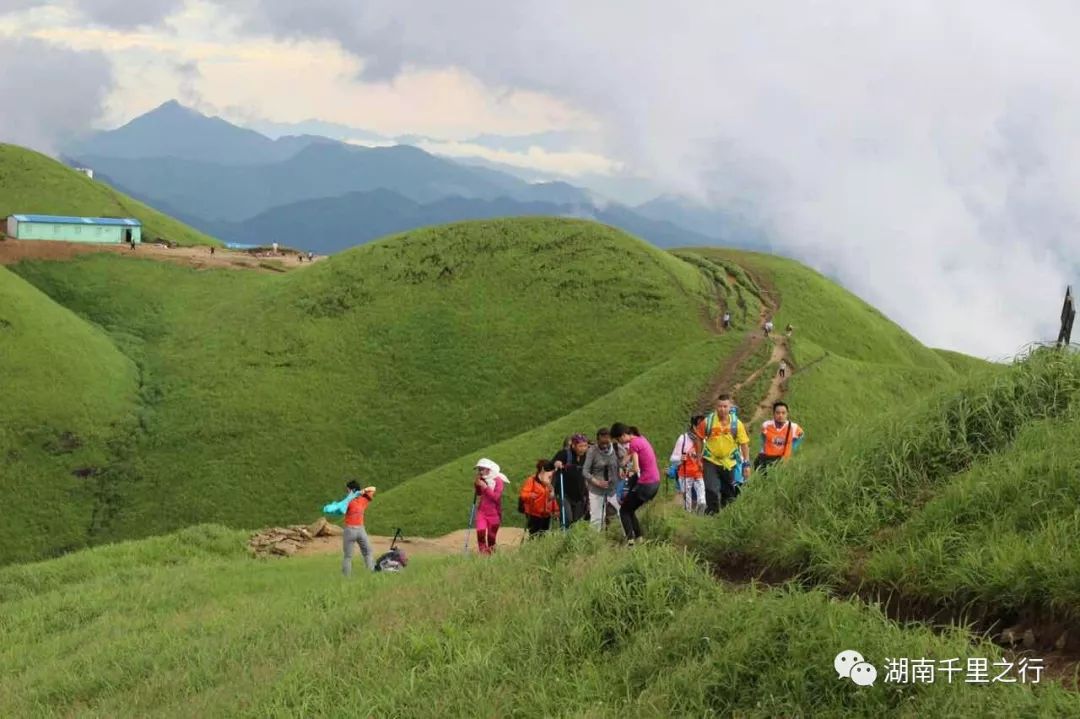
[711, 459]
[614, 475]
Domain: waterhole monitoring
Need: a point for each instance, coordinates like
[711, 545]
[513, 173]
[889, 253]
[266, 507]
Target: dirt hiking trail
[13, 251]
[449, 544]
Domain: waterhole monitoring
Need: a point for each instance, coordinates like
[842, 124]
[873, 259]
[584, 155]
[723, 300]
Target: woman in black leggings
[644, 489]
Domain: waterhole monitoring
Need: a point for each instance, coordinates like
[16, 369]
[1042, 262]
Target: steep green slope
[31, 183]
[850, 362]
[966, 496]
[966, 364]
[262, 393]
[186, 625]
[68, 402]
[829, 316]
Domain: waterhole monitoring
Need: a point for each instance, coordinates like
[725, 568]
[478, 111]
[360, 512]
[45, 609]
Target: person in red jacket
[354, 528]
[538, 498]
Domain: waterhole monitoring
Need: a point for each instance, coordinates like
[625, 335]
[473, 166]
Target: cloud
[924, 153]
[112, 13]
[567, 164]
[128, 14]
[12, 6]
[42, 114]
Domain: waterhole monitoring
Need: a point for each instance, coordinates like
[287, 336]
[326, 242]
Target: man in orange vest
[779, 436]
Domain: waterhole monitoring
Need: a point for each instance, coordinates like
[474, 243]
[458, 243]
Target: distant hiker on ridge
[489, 484]
[779, 437]
[783, 368]
[645, 481]
[719, 437]
[768, 327]
[570, 487]
[727, 320]
[601, 472]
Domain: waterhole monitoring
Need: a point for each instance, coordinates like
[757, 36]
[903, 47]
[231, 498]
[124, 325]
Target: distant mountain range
[332, 224]
[324, 195]
[173, 130]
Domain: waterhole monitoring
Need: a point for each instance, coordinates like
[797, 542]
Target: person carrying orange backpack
[537, 498]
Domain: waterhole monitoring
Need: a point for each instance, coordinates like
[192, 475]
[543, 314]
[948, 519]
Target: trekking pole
[472, 517]
[562, 502]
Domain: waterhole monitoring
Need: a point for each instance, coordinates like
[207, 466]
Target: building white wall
[12, 227]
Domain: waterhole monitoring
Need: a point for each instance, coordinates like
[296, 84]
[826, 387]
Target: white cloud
[199, 56]
[567, 164]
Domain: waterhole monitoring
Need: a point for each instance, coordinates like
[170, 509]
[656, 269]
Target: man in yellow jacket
[719, 437]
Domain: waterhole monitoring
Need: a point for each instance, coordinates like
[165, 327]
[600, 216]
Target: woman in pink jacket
[489, 485]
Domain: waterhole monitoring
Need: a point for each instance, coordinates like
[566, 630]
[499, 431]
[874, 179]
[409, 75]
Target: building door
[127, 236]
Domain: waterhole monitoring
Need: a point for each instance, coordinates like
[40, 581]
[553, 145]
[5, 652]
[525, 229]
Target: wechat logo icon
[849, 664]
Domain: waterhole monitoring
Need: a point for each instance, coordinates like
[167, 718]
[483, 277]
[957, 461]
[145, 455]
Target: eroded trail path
[509, 538]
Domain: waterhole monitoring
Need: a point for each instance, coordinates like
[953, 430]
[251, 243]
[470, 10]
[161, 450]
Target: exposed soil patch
[12, 251]
[1032, 632]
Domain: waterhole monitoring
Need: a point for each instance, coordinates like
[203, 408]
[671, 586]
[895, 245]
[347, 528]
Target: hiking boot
[630, 543]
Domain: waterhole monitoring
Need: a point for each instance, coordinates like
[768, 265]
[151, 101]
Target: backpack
[394, 560]
[734, 427]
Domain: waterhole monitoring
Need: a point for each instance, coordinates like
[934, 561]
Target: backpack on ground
[393, 560]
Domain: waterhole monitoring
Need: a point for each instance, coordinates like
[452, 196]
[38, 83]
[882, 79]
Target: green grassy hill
[31, 183]
[405, 360]
[850, 361]
[69, 400]
[932, 486]
[187, 625]
[259, 394]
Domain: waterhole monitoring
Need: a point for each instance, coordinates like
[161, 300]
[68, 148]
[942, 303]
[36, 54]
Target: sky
[923, 153]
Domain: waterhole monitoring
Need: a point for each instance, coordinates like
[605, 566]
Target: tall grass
[568, 626]
[899, 498]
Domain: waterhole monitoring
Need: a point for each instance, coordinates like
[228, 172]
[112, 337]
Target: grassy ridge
[968, 495]
[852, 363]
[185, 625]
[830, 316]
[965, 364]
[31, 183]
[261, 393]
[69, 401]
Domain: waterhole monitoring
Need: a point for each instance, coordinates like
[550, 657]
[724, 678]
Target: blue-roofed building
[97, 230]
